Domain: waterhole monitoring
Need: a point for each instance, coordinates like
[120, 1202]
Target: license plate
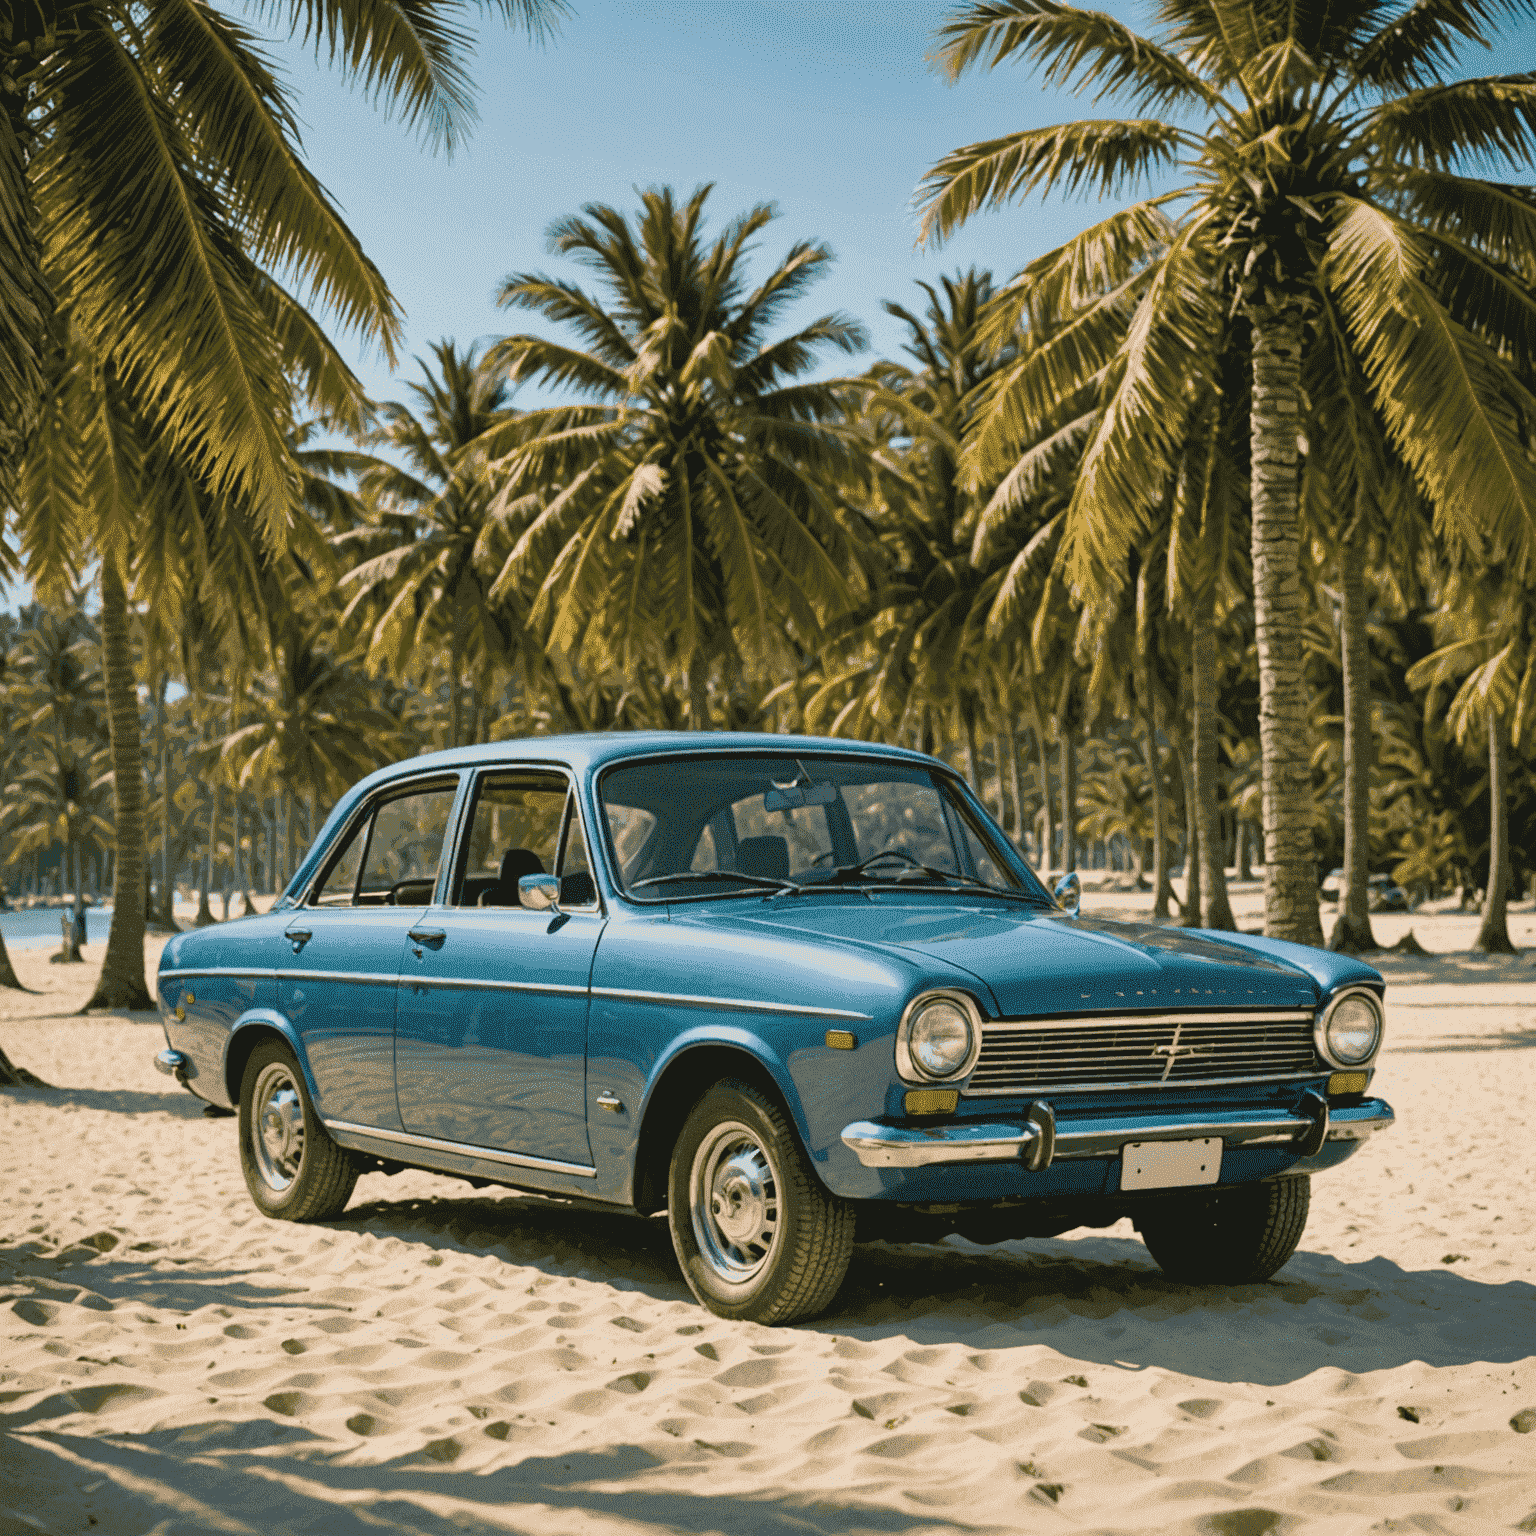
[1170, 1164]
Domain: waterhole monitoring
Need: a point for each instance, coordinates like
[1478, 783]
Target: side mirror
[1069, 893]
[540, 893]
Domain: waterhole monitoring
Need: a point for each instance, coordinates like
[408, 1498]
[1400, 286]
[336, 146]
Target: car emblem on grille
[1176, 1052]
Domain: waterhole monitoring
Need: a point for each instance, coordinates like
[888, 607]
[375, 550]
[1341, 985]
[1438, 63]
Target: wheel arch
[249, 1032]
[676, 1090]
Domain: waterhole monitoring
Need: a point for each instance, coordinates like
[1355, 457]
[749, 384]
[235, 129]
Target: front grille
[1142, 1050]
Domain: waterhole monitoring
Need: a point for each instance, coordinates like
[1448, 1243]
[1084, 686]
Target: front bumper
[1040, 1141]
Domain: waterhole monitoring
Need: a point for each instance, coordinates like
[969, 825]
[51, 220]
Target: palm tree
[428, 531]
[150, 183]
[312, 726]
[1322, 209]
[1489, 630]
[687, 525]
[148, 157]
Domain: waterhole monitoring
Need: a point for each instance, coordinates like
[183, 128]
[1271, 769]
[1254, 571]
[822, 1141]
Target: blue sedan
[792, 991]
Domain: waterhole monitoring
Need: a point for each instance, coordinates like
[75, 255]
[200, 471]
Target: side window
[514, 831]
[336, 890]
[577, 887]
[400, 866]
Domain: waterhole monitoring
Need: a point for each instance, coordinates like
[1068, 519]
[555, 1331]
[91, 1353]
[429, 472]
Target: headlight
[1349, 1031]
[939, 1038]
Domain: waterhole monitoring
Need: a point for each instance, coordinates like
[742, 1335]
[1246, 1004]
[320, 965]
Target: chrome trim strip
[1184, 1082]
[464, 1149]
[1116, 1020]
[733, 1004]
[474, 984]
[921, 1146]
[256, 973]
[359, 978]
[892, 1146]
[384, 978]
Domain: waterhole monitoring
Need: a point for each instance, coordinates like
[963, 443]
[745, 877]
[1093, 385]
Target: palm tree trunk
[972, 755]
[1191, 906]
[167, 895]
[1002, 787]
[1068, 801]
[1244, 864]
[1047, 829]
[1016, 779]
[1215, 908]
[290, 839]
[1352, 932]
[8, 977]
[1493, 935]
[698, 695]
[1290, 869]
[204, 909]
[1162, 886]
[121, 983]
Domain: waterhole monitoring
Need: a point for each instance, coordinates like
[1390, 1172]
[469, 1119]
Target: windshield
[701, 827]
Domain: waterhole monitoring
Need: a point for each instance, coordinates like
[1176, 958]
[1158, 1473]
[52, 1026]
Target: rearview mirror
[541, 893]
[798, 795]
[1069, 893]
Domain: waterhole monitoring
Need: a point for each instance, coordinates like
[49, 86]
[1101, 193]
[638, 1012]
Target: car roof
[596, 749]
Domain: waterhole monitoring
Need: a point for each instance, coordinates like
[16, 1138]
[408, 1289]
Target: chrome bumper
[173, 1064]
[970, 1141]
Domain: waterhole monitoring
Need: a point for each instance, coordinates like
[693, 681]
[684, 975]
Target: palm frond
[1098, 157]
[1102, 53]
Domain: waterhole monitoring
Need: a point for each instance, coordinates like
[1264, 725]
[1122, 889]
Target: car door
[491, 1022]
[341, 948]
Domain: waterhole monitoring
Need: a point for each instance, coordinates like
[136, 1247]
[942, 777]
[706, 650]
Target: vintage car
[790, 991]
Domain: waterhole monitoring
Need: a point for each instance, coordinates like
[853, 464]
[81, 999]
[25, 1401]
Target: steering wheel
[392, 897]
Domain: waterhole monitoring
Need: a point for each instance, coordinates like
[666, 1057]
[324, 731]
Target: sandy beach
[444, 1361]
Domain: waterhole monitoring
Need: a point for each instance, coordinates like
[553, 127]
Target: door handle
[298, 937]
[432, 936]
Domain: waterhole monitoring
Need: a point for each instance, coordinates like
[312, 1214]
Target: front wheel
[757, 1236]
[293, 1169]
[1232, 1237]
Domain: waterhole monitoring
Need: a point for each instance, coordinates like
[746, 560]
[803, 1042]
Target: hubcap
[277, 1127]
[733, 1190]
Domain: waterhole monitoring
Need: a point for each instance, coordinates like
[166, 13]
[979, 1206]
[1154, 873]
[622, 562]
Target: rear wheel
[293, 1169]
[1231, 1237]
[756, 1234]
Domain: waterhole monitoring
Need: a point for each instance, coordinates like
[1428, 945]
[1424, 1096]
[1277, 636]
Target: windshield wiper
[689, 875]
[968, 885]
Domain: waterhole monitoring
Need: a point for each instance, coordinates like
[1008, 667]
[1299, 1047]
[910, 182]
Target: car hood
[1038, 962]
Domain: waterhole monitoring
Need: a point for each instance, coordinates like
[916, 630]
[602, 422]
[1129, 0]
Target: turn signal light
[932, 1101]
[1344, 1083]
[841, 1040]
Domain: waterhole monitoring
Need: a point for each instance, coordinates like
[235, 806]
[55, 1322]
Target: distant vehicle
[786, 990]
[1384, 894]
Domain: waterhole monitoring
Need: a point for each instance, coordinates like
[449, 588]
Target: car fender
[243, 1040]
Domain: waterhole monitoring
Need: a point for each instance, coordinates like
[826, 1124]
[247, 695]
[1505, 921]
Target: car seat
[515, 863]
[767, 857]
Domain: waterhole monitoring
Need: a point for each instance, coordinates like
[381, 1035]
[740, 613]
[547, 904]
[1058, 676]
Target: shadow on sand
[210, 1476]
[1094, 1298]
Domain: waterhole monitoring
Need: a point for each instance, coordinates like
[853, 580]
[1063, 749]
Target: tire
[1235, 1237]
[758, 1237]
[293, 1169]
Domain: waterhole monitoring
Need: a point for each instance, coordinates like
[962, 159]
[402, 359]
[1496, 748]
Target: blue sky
[826, 108]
